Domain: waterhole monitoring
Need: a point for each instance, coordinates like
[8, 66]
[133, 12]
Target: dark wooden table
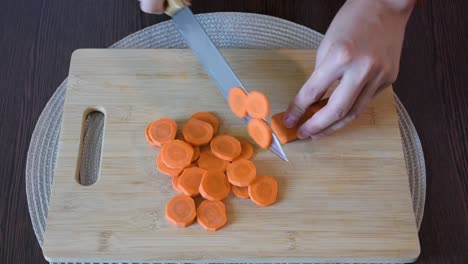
[37, 38]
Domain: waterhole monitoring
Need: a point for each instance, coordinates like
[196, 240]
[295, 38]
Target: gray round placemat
[227, 30]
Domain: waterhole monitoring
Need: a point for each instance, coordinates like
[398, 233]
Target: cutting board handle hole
[92, 131]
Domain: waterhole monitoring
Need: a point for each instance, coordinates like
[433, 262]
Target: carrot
[208, 161]
[189, 181]
[166, 170]
[208, 118]
[241, 172]
[175, 183]
[237, 100]
[180, 210]
[148, 139]
[162, 131]
[176, 154]
[263, 190]
[246, 149]
[211, 215]
[285, 134]
[197, 132]
[196, 153]
[225, 147]
[258, 105]
[241, 192]
[260, 132]
[214, 186]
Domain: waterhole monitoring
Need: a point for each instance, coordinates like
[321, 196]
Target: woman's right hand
[152, 6]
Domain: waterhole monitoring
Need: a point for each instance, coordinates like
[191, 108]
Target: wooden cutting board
[344, 198]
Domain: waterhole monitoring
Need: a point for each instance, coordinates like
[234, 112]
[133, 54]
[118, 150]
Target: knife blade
[213, 61]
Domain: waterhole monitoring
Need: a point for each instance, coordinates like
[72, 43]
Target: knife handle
[174, 6]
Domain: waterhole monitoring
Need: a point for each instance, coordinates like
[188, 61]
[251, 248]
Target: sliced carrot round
[241, 172]
[197, 132]
[214, 186]
[246, 149]
[176, 154]
[196, 153]
[263, 190]
[237, 100]
[258, 105]
[225, 147]
[208, 118]
[180, 210]
[208, 161]
[175, 183]
[260, 132]
[162, 131]
[165, 169]
[189, 181]
[148, 139]
[241, 192]
[211, 215]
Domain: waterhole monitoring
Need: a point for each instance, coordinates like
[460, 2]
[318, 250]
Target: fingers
[314, 88]
[338, 105]
[152, 6]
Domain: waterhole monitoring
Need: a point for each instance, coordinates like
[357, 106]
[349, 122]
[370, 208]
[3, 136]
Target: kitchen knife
[210, 57]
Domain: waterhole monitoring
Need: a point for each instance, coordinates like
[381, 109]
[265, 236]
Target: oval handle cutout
[91, 147]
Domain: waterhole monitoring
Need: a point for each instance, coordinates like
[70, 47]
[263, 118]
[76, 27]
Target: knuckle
[339, 113]
[371, 64]
[343, 52]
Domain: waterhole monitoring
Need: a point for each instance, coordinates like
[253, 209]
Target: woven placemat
[227, 30]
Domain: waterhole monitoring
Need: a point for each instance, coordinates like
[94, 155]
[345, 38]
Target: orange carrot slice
[237, 100]
[211, 215]
[197, 132]
[208, 118]
[166, 170]
[148, 139]
[263, 190]
[258, 105]
[189, 181]
[214, 186]
[285, 134]
[162, 131]
[196, 153]
[241, 172]
[225, 147]
[175, 183]
[246, 149]
[180, 210]
[208, 161]
[241, 192]
[260, 132]
[176, 154]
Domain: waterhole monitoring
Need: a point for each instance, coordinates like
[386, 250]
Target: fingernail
[302, 133]
[290, 121]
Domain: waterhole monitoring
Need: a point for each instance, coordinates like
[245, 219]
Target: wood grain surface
[38, 37]
[344, 198]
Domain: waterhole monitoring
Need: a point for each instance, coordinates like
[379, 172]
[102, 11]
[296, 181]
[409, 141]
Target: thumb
[152, 6]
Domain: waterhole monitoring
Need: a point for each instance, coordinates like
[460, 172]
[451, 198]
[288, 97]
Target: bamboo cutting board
[344, 198]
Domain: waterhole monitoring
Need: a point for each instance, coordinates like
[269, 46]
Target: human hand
[152, 6]
[362, 49]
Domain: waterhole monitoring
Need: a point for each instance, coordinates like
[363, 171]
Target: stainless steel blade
[213, 61]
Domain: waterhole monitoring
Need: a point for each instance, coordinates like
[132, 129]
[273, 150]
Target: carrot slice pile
[208, 118]
[165, 169]
[161, 131]
[175, 183]
[225, 147]
[196, 153]
[246, 149]
[241, 192]
[189, 181]
[214, 186]
[241, 172]
[263, 190]
[197, 132]
[285, 134]
[211, 215]
[260, 132]
[176, 154]
[258, 105]
[180, 210]
[208, 161]
[237, 100]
